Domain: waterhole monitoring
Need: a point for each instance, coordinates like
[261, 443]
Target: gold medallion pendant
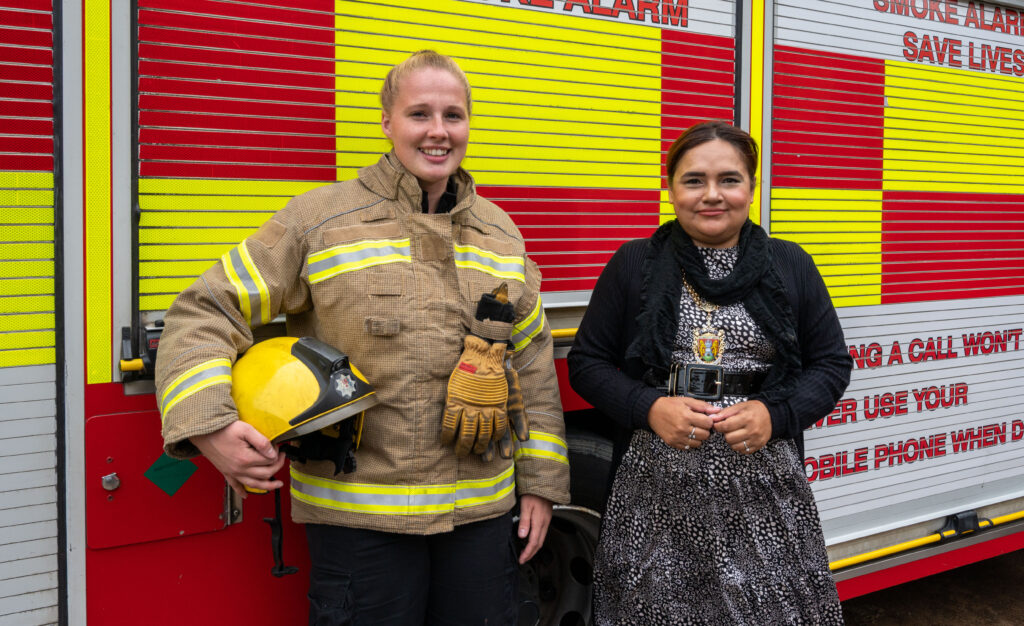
[708, 341]
[708, 344]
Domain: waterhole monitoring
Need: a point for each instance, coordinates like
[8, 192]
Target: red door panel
[156, 497]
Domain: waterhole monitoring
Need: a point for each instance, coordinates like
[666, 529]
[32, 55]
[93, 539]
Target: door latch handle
[111, 481]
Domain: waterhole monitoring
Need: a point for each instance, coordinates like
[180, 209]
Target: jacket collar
[389, 178]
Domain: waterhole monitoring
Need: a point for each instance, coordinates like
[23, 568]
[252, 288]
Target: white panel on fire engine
[897, 128]
[242, 105]
[28, 440]
[28, 496]
[931, 423]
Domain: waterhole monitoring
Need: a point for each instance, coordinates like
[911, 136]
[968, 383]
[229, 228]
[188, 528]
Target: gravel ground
[989, 593]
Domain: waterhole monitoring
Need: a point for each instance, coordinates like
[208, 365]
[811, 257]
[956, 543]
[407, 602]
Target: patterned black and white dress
[710, 536]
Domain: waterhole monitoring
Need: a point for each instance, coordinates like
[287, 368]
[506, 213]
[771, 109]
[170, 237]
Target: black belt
[711, 382]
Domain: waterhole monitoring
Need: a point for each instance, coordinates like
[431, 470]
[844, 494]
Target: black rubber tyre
[590, 461]
[555, 586]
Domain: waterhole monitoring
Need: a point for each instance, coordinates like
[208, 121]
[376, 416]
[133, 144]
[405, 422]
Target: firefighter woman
[427, 288]
[712, 346]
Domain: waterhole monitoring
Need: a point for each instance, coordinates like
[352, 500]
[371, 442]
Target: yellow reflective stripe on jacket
[471, 257]
[543, 446]
[356, 256]
[215, 372]
[253, 295]
[524, 332]
[400, 499]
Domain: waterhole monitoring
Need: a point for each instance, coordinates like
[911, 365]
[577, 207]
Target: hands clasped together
[684, 423]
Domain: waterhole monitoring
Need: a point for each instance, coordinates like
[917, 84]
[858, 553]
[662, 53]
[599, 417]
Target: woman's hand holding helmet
[244, 456]
[682, 423]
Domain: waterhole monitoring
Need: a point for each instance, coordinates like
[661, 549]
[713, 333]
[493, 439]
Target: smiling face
[711, 192]
[429, 126]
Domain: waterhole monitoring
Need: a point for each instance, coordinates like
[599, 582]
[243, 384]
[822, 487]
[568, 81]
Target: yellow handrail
[877, 554]
[916, 543]
[563, 333]
[1002, 519]
[132, 365]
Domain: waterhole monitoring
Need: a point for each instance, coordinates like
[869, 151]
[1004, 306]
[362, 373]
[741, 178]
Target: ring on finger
[746, 448]
[686, 447]
[693, 429]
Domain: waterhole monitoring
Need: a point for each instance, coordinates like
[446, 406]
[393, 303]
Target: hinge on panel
[231, 512]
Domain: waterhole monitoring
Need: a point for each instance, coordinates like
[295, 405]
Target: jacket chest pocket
[361, 286]
[484, 265]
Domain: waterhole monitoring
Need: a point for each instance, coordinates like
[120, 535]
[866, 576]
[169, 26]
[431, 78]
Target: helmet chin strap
[277, 539]
[336, 443]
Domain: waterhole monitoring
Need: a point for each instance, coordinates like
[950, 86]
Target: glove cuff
[491, 330]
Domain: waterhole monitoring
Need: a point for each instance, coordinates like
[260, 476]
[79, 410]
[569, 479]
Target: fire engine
[143, 138]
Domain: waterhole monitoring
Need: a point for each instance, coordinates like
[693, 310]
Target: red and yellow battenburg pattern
[953, 209]
[236, 117]
[27, 285]
[884, 170]
[827, 165]
[570, 119]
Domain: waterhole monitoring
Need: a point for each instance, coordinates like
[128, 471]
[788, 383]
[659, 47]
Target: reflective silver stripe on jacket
[253, 295]
[543, 446]
[499, 266]
[400, 499]
[356, 256]
[524, 331]
[215, 372]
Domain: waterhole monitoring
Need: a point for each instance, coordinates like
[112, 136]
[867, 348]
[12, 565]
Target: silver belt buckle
[703, 382]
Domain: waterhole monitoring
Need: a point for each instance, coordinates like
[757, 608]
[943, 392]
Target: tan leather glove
[515, 408]
[516, 412]
[474, 413]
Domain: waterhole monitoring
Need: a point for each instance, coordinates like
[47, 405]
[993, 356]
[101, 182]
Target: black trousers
[365, 577]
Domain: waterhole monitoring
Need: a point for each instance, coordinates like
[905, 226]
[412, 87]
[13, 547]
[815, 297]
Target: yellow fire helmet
[287, 387]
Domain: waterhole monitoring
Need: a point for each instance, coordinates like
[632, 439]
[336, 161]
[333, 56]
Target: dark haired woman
[713, 347]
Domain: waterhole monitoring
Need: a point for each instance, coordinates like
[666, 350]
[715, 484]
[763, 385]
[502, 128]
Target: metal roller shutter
[242, 106]
[26, 184]
[28, 477]
[897, 127]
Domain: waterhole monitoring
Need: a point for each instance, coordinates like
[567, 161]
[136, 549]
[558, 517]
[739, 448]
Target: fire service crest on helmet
[346, 385]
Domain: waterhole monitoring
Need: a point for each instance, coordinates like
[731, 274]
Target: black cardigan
[599, 372]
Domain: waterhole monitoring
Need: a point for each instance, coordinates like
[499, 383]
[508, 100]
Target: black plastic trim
[737, 67]
[60, 413]
[326, 362]
[138, 328]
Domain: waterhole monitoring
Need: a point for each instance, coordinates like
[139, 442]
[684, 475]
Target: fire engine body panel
[142, 140]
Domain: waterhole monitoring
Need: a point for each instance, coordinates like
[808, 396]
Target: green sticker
[170, 474]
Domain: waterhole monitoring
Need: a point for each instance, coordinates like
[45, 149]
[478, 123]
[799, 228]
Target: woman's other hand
[534, 519]
[681, 422]
[243, 455]
[747, 426]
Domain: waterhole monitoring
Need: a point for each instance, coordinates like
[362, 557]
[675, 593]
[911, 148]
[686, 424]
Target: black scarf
[754, 281]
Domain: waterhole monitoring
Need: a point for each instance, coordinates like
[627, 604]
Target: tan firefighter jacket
[359, 266]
